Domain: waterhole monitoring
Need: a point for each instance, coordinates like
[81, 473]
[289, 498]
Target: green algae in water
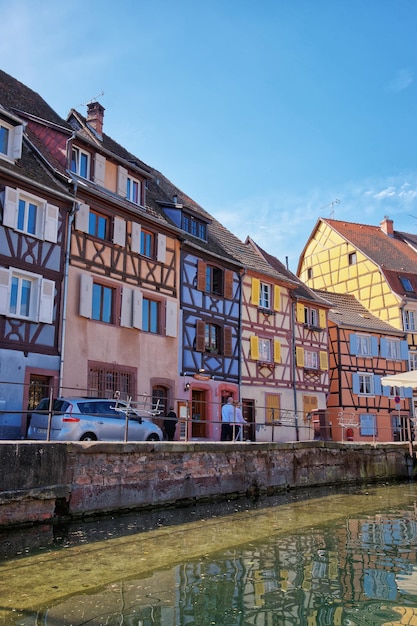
[338, 559]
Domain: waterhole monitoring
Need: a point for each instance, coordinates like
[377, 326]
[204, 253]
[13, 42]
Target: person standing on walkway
[227, 420]
[170, 424]
[238, 421]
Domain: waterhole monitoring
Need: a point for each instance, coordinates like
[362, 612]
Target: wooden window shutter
[201, 275]
[137, 309]
[17, 142]
[171, 312]
[4, 290]
[228, 284]
[82, 217]
[86, 295]
[119, 231]
[161, 248]
[322, 318]
[135, 237]
[277, 298]
[227, 341]
[99, 169]
[121, 181]
[46, 301]
[50, 232]
[126, 312]
[324, 360]
[254, 347]
[273, 406]
[10, 207]
[299, 356]
[300, 313]
[277, 351]
[200, 336]
[256, 291]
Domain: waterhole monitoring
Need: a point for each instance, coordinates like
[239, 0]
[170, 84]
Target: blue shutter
[404, 350]
[384, 350]
[374, 346]
[377, 386]
[386, 390]
[353, 344]
[408, 392]
[355, 382]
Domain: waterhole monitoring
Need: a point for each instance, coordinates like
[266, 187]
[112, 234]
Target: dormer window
[80, 162]
[133, 190]
[194, 226]
[10, 141]
[406, 283]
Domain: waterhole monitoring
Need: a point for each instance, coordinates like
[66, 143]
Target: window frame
[106, 295]
[365, 379]
[368, 430]
[41, 296]
[147, 243]
[363, 345]
[265, 353]
[409, 320]
[13, 141]
[76, 164]
[95, 218]
[212, 335]
[194, 226]
[151, 316]
[131, 184]
[214, 280]
[412, 360]
[265, 295]
[393, 347]
[406, 284]
[311, 359]
[352, 259]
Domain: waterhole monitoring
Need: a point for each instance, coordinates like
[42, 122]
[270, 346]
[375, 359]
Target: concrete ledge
[51, 481]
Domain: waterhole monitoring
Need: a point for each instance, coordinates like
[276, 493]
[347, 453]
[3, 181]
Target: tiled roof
[301, 290]
[348, 311]
[79, 123]
[17, 97]
[389, 252]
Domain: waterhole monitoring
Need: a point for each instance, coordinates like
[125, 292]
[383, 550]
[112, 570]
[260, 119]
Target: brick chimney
[95, 115]
[387, 226]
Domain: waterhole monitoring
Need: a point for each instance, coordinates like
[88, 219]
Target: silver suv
[91, 419]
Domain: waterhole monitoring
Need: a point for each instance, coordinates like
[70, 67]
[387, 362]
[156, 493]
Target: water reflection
[342, 559]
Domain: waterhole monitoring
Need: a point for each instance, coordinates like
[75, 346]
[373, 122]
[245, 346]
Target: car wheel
[153, 437]
[88, 437]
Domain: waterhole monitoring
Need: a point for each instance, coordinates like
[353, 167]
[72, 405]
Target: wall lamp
[187, 387]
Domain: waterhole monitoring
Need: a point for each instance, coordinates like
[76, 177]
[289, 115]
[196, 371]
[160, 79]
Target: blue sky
[266, 112]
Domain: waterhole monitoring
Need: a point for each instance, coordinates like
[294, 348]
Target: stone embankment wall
[49, 481]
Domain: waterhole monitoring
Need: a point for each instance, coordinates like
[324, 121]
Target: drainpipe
[75, 208]
[294, 369]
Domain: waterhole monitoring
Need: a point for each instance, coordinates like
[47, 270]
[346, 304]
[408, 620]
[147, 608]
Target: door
[248, 411]
[198, 413]
[38, 389]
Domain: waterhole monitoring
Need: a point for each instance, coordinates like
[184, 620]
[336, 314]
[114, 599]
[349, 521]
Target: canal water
[328, 557]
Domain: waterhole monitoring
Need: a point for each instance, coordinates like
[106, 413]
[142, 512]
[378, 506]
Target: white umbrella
[404, 379]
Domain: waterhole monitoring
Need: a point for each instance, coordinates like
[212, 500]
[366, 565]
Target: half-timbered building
[376, 264]
[284, 348]
[210, 292]
[362, 349]
[35, 206]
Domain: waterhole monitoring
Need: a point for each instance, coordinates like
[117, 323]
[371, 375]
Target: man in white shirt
[227, 420]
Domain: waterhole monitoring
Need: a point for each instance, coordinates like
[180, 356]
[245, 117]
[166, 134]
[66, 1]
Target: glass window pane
[83, 165]
[96, 302]
[21, 215]
[31, 227]
[101, 227]
[25, 298]
[107, 305]
[13, 295]
[4, 139]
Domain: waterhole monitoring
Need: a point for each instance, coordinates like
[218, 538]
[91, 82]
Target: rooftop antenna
[332, 205]
[93, 99]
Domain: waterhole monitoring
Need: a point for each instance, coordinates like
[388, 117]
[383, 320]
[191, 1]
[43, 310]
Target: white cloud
[402, 80]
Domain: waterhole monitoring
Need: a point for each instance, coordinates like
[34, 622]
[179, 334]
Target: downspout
[294, 369]
[75, 208]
